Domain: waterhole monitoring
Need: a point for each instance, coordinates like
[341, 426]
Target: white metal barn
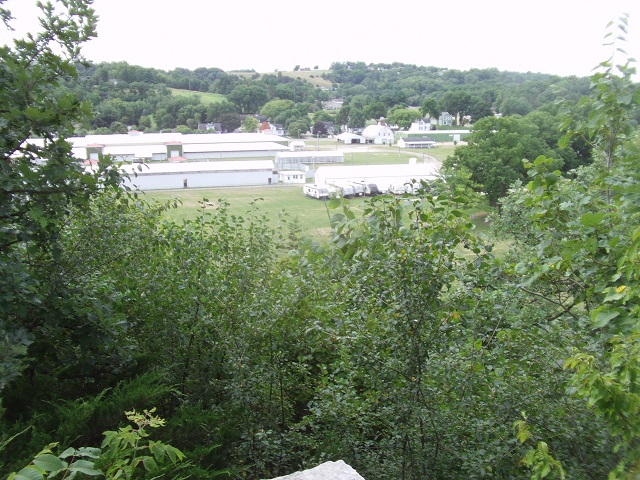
[203, 151]
[379, 134]
[162, 176]
[385, 177]
[348, 137]
[164, 146]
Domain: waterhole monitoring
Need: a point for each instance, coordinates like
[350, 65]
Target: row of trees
[466, 92]
[130, 96]
[126, 95]
[401, 345]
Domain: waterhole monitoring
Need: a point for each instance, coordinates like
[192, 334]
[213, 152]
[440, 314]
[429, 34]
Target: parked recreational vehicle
[318, 191]
[371, 189]
[397, 189]
[412, 188]
[359, 189]
[345, 189]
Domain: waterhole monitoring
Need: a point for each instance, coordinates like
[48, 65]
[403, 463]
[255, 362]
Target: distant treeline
[126, 96]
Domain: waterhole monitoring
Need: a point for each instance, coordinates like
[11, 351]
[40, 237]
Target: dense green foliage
[131, 96]
[403, 345]
[125, 453]
[496, 149]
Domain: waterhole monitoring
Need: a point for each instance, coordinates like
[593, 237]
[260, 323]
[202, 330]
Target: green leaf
[49, 463]
[33, 113]
[149, 463]
[69, 452]
[563, 142]
[29, 473]
[602, 317]
[157, 449]
[591, 219]
[86, 470]
[175, 454]
[89, 452]
[349, 214]
[545, 470]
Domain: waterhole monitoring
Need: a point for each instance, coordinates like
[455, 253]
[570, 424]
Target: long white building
[386, 177]
[163, 176]
[151, 147]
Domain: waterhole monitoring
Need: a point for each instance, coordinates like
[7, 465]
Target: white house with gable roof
[379, 134]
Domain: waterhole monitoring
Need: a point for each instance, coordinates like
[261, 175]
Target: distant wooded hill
[127, 96]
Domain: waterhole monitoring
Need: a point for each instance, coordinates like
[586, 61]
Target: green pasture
[314, 77]
[311, 215]
[360, 154]
[395, 155]
[275, 201]
[205, 98]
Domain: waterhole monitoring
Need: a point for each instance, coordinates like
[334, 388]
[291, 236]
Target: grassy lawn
[205, 98]
[312, 215]
[358, 154]
[311, 76]
[395, 155]
[274, 199]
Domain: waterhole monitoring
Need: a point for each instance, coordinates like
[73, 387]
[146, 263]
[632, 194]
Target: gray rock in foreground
[326, 471]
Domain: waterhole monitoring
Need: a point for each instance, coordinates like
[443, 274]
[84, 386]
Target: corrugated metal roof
[164, 138]
[311, 154]
[138, 151]
[197, 167]
[249, 147]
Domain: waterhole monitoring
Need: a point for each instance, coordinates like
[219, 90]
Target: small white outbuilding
[297, 146]
[292, 176]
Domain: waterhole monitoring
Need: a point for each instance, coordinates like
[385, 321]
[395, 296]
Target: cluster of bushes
[402, 345]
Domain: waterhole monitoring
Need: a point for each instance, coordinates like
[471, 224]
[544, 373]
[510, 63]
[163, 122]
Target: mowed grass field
[275, 201]
[312, 215]
[359, 154]
[205, 98]
[314, 77]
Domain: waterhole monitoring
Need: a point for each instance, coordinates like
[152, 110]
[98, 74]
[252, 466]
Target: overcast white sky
[551, 36]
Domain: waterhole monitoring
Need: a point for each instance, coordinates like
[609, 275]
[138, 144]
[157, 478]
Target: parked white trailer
[370, 189]
[381, 175]
[320, 192]
[359, 189]
[345, 189]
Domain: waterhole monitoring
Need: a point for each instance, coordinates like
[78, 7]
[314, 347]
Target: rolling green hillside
[205, 98]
